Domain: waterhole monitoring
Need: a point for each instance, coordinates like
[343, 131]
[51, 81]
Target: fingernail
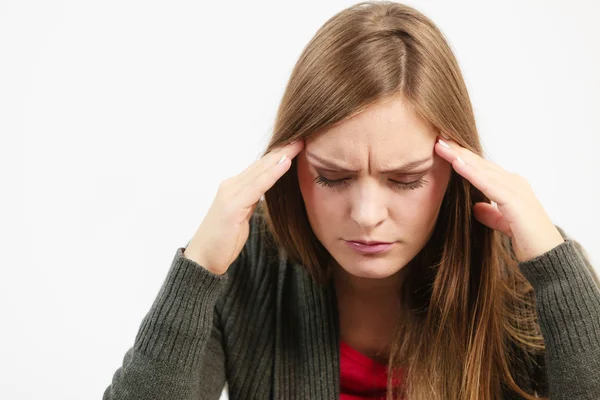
[446, 145]
[460, 160]
[282, 159]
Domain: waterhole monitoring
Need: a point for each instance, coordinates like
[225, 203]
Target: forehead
[391, 128]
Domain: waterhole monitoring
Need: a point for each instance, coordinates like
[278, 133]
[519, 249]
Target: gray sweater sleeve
[177, 353]
[568, 308]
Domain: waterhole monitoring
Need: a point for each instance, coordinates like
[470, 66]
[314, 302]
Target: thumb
[489, 215]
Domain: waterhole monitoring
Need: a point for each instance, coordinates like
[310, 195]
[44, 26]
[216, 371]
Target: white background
[119, 119]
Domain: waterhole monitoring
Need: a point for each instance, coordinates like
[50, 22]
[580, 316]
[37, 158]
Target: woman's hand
[226, 226]
[517, 212]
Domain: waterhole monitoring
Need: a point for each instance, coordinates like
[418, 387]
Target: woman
[475, 295]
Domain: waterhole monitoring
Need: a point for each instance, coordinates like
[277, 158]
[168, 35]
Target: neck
[367, 290]
[369, 310]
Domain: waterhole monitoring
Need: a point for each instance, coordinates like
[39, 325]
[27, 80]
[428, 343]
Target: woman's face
[368, 204]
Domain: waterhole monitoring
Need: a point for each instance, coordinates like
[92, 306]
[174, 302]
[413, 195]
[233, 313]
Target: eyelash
[321, 180]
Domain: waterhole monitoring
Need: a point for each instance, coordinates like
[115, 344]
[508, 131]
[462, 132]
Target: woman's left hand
[517, 212]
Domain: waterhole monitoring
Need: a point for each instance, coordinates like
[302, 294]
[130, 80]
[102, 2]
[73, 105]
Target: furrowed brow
[403, 168]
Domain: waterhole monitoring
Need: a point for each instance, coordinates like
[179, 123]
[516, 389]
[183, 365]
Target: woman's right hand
[226, 226]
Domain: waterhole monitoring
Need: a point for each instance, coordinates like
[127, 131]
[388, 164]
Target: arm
[568, 308]
[177, 353]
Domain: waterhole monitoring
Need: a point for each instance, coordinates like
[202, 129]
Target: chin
[379, 267]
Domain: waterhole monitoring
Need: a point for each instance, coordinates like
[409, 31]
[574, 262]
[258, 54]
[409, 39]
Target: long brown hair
[466, 304]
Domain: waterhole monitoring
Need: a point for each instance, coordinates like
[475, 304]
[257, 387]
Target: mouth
[368, 243]
[371, 248]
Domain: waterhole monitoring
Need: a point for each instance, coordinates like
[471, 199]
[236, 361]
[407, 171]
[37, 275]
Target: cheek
[322, 205]
[426, 211]
[414, 210]
[419, 210]
[431, 195]
[305, 183]
[312, 192]
[318, 200]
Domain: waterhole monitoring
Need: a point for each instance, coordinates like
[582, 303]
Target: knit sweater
[271, 332]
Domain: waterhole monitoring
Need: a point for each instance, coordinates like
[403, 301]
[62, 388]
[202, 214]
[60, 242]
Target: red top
[362, 378]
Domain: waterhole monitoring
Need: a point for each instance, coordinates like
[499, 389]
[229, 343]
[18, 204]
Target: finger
[252, 209]
[469, 156]
[494, 183]
[252, 193]
[490, 216]
[252, 167]
[260, 165]
[268, 160]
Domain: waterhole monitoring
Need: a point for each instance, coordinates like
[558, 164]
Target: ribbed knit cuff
[567, 297]
[177, 327]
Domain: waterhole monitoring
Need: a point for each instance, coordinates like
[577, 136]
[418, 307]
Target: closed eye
[321, 180]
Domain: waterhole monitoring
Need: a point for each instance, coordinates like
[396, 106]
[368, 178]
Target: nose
[369, 207]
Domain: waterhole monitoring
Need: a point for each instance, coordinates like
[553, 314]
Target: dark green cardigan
[271, 332]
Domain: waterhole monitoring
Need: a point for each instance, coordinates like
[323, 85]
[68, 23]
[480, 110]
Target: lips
[376, 247]
[368, 243]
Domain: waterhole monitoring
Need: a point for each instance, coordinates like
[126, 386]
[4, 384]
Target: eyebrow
[403, 168]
